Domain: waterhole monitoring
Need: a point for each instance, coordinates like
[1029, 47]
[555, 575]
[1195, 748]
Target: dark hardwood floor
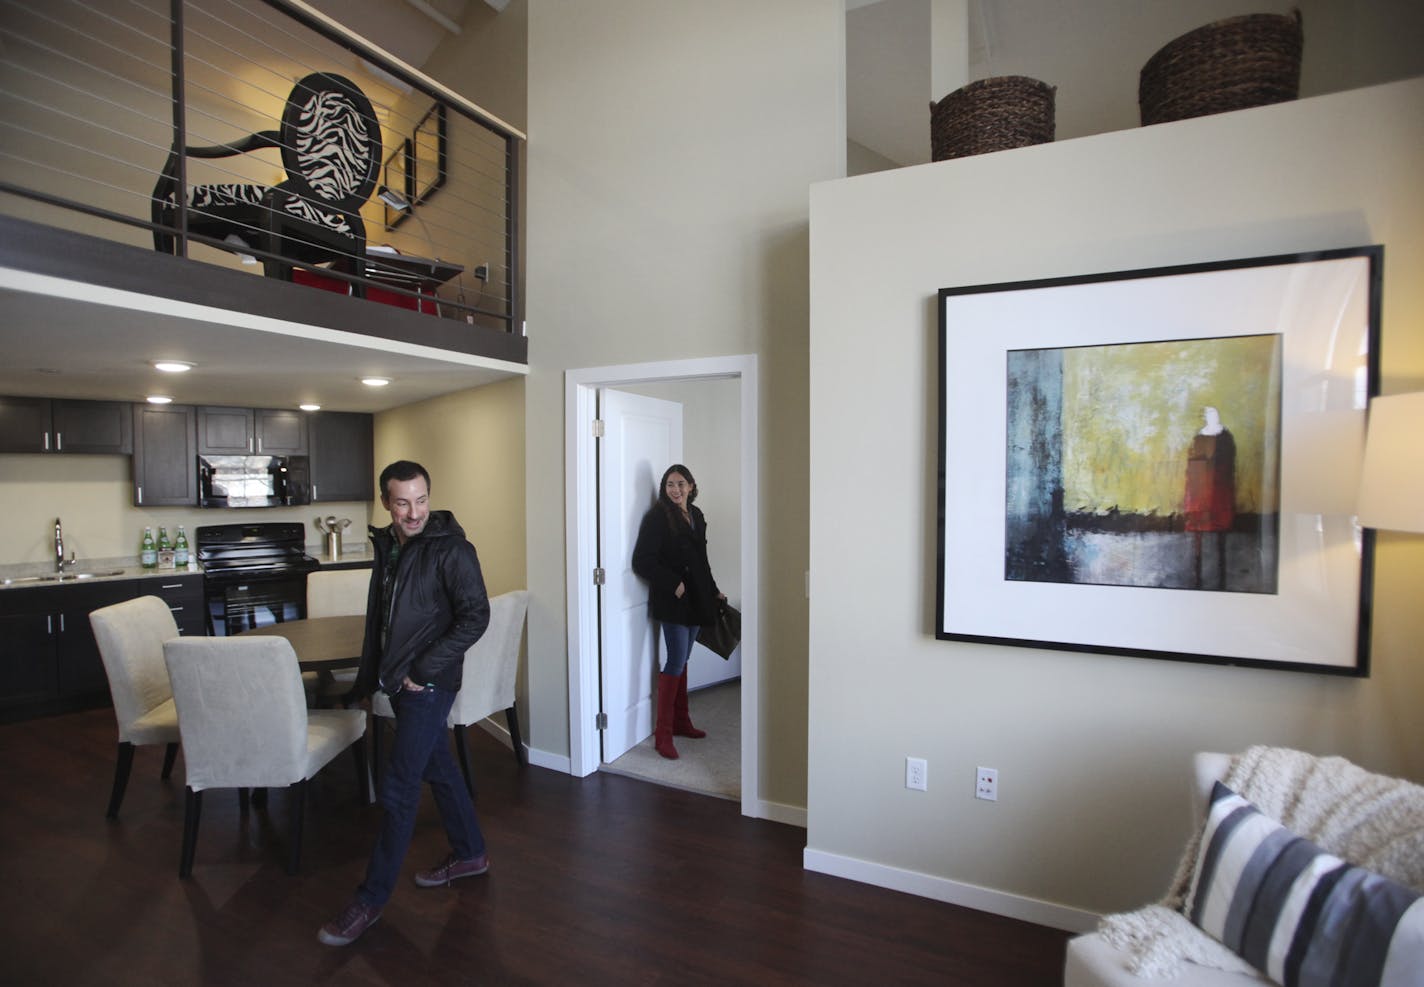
[601, 880]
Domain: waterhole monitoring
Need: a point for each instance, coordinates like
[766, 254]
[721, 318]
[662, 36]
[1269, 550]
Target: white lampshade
[1392, 482]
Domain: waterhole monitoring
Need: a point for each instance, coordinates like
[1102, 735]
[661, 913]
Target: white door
[641, 438]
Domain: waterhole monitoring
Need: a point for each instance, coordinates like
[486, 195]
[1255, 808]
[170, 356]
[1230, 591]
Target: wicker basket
[991, 115]
[1227, 65]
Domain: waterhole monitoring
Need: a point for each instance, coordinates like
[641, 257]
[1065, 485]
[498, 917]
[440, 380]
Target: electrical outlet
[917, 774]
[986, 784]
[482, 272]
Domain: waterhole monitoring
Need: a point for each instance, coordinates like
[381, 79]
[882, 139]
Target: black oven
[254, 575]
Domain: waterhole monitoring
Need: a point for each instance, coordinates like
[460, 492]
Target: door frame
[581, 527]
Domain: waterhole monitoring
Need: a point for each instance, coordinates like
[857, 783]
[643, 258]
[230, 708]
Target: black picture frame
[397, 176]
[429, 147]
[1325, 308]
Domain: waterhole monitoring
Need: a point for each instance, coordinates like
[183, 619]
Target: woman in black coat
[671, 554]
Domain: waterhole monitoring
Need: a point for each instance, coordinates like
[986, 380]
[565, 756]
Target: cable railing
[259, 135]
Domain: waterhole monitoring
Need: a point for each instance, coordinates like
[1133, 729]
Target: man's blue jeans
[420, 753]
[678, 640]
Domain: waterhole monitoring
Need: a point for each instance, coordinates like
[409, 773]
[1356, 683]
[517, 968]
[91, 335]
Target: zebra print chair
[330, 144]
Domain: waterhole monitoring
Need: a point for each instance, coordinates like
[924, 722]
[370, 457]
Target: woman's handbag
[724, 634]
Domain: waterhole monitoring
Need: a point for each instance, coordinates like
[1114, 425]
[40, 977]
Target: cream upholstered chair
[486, 686]
[244, 722]
[130, 636]
[336, 593]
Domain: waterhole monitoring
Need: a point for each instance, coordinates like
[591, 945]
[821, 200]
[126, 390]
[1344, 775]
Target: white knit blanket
[1370, 820]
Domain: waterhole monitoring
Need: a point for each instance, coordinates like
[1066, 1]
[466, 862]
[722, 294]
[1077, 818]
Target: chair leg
[363, 777]
[375, 733]
[511, 717]
[192, 811]
[296, 805]
[170, 754]
[464, 759]
[121, 779]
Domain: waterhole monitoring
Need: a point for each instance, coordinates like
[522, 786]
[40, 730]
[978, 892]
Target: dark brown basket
[1227, 65]
[991, 115]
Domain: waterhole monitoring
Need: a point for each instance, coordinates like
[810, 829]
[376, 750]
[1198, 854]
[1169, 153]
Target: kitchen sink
[55, 577]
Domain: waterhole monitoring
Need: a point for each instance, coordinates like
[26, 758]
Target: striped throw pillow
[1302, 916]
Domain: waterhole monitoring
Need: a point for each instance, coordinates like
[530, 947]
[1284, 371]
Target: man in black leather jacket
[427, 605]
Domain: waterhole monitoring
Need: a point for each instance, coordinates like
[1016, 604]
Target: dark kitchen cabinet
[341, 456]
[225, 431]
[24, 424]
[165, 459]
[48, 655]
[93, 427]
[249, 431]
[28, 672]
[183, 592]
[56, 425]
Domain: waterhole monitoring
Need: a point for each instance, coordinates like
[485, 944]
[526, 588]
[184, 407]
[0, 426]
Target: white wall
[1092, 750]
[670, 152]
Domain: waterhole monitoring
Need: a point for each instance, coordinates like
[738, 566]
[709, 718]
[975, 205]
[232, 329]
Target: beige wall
[670, 152]
[472, 443]
[1092, 750]
[93, 496]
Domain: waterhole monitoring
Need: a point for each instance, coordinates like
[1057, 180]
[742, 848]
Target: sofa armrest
[1091, 962]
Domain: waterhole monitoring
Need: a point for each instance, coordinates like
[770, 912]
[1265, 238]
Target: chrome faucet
[59, 562]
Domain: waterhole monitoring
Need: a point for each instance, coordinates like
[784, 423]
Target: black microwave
[253, 481]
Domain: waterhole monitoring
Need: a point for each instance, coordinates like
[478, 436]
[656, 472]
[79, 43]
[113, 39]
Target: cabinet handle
[140, 493]
[49, 624]
[314, 496]
[176, 609]
[58, 441]
[61, 623]
[46, 442]
[171, 586]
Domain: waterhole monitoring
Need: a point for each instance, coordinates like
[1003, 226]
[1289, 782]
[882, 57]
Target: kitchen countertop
[104, 570]
[355, 556]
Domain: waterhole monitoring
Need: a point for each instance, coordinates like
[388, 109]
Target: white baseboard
[954, 892]
[791, 815]
[547, 759]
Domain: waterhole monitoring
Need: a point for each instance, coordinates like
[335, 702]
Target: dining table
[322, 644]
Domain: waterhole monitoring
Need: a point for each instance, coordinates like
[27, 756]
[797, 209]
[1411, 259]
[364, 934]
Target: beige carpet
[712, 765]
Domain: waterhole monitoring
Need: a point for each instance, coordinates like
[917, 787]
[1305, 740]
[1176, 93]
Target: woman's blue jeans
[420, 753]
[678, 640]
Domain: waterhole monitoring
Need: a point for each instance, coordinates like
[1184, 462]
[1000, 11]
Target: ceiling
[238, 360]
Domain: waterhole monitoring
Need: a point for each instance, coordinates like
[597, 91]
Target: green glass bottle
[180, 549]
[148, 552]
[164, 545]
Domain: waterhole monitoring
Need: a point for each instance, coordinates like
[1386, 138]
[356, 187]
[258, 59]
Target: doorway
[581, 393]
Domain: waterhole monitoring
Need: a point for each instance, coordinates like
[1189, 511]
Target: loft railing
[259, 135]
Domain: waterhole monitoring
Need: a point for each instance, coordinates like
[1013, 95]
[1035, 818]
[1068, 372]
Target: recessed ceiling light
[309, 407]
[375, 381]
[159, 399]
[172, 366]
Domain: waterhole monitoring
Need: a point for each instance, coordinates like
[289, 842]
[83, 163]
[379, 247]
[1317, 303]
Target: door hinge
[599, 575]
[598, 428]
[600, 721]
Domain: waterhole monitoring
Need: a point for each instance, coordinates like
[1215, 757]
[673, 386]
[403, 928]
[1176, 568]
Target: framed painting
[1162, 462]
[396, 176]
[429, 150]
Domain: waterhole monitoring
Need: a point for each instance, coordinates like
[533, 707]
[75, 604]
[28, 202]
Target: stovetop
[272, 547]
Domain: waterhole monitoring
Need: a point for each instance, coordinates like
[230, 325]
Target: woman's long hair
[674, 516]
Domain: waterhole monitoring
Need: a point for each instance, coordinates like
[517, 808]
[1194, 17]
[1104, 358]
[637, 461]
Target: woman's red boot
[662, 728]
[681, 721]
